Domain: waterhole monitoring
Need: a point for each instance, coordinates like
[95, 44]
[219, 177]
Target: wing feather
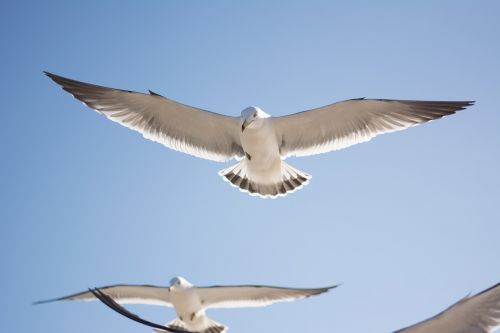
[112, 304]
[124, 294]
[177, 126]
[252, 296]
[472, 314]
[346, 123]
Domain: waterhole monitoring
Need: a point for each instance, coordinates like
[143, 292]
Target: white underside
[261, 145]
[190, 312]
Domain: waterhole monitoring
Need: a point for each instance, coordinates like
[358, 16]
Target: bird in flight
[257, 140]
[190, 302]
[472, 314]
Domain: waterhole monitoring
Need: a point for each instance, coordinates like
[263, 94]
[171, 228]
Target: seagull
[472, 314]
[259, 142]
[190, 302]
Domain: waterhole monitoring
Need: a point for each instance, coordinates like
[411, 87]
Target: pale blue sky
[408, 222]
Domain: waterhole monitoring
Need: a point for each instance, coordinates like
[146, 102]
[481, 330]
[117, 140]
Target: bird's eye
[178, 282]
[255, 115]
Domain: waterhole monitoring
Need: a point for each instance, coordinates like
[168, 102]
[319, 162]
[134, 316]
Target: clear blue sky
[408, 222]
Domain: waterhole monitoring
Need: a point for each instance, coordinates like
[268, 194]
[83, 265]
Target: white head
[251, 116]
[179, 282]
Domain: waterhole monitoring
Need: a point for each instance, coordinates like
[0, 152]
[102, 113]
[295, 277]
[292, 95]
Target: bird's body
[262, 154]
[187, 304]
[190, 302]
[262, 170]
[190, 311]
[260, 142]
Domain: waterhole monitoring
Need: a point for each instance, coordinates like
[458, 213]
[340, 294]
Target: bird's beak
[169, 289]
[245, 124]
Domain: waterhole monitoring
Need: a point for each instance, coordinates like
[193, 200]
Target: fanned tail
[291, 180]
[208, 326]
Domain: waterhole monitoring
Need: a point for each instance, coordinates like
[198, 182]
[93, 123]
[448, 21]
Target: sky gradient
[408, 222]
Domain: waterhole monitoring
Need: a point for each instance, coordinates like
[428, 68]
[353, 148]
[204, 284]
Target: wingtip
[154, 94]
[45, 301]
[51, 76]
[465, 104]
[334, 286]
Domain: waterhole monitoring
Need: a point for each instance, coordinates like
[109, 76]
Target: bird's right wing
[251, 295]
[472, 314]
[180, 127]
[124, 294]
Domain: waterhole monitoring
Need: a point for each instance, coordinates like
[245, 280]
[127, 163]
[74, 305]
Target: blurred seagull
[258, 141]
[472, 314]
[190, 302]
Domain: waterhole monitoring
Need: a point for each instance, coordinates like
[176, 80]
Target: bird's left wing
[124, 294]
[177, 126]
[346, 123]
[251, 296]
[473, 314]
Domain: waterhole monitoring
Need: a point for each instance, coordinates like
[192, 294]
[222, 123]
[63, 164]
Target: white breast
[261, 145]
[185, 302]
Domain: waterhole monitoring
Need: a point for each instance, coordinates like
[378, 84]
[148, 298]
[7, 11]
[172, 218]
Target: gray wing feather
[346, 123]
[124, 294]
[181, 127]
[472, 314]
[252, 296]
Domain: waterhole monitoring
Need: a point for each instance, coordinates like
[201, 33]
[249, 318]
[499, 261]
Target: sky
[408, 222]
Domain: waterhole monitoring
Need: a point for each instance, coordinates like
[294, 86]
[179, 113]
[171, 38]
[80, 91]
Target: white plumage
[190, 302]
[260, 142]
[472, 314]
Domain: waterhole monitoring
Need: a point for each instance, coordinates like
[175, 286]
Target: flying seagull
[472, 314]
[190, 302]
[258, 141]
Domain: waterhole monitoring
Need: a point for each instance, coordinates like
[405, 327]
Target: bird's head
[179, 282]
[251, 116]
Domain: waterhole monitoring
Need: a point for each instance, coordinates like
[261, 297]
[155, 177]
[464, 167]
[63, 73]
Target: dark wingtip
[154, 94]
[49, 74]
[333, 287]
[46, 301]
[53, 76]
[464, 104]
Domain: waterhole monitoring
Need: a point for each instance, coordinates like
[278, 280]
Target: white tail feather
[208, 326]
[292, 180]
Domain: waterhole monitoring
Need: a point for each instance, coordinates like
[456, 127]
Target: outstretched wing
[346, 123]
[251, 296]
[181, 127]
[472, 314]
[124, 294]
[109, 302]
